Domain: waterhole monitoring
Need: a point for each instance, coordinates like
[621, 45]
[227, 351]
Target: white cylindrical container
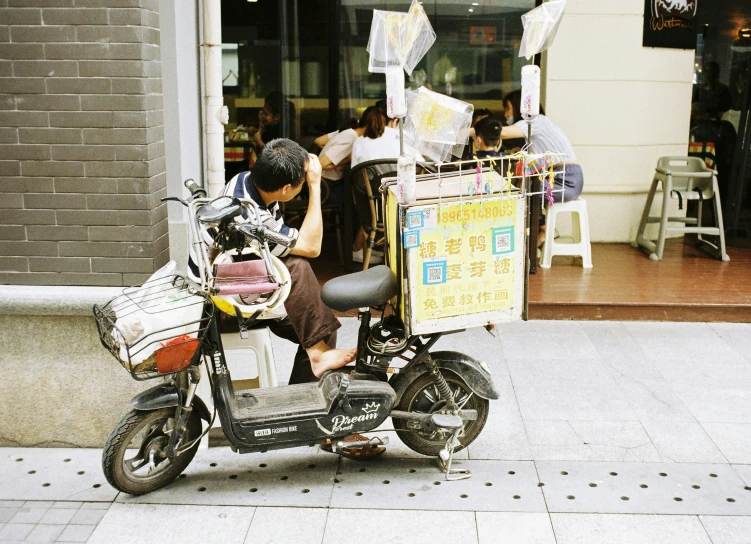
[530, 106]
[396, 104]
[406, 181]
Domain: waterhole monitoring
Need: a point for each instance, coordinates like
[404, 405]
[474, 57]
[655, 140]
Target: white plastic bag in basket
[159, 313]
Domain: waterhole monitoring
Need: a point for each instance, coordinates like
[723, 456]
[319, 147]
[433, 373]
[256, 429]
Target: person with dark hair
[512, 113]
[714, 96]
[487, 138]
[337, 149]
[278, 176]
[275, 110]
[547, 137]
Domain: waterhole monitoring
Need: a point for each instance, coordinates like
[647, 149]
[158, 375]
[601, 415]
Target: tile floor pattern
[639, 432]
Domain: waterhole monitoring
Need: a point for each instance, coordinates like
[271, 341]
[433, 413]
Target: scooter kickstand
[446, 458]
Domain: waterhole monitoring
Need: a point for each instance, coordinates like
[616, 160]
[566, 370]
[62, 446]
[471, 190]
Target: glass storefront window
[286, 47]
[475, 56]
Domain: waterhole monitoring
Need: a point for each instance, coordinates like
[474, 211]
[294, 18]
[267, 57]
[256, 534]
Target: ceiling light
[475, 3]
[744, 33]
[470, 10]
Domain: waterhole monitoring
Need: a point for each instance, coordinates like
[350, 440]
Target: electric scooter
[438, 400]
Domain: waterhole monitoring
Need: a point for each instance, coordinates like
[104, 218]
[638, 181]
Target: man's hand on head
[313, 171]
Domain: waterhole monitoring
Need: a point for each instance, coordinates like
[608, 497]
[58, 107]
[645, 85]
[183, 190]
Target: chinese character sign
[465, 256]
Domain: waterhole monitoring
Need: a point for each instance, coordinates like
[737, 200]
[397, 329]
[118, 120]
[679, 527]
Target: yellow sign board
[463, 257]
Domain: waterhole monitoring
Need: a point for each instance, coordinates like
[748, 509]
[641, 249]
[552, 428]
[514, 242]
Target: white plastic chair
[684, 178]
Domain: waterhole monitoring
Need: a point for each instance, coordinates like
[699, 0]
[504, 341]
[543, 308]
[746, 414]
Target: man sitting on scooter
[278, 176]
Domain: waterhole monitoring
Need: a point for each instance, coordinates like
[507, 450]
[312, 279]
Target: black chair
[294, 212]
[363, 183]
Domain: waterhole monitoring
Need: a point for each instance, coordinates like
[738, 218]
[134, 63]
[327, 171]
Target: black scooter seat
[371, 287]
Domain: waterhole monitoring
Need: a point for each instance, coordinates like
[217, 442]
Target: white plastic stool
[258, 342]
[580, 223]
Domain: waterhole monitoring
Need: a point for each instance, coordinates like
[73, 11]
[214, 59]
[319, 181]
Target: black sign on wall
[670, 23]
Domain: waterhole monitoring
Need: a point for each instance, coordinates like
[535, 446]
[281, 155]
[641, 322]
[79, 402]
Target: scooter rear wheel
[131, 458]
[422, 396]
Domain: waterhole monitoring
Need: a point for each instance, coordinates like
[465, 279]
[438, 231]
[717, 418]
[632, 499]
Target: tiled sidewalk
[604, 432]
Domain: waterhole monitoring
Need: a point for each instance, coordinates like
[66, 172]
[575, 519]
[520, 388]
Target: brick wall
[82, 162]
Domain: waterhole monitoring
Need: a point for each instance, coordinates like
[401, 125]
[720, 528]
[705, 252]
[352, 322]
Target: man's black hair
[282, 162]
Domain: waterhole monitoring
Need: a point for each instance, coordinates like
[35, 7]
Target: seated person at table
[271, 117]
[337, 150]
[278, 176]
[548, 137]
[487, 138]
[513, 114]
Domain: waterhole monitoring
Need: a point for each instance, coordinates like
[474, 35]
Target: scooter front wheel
[422, 396]
[133, 460]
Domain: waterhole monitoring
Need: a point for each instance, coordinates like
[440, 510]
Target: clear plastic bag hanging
[540, 27]
[399, 39]
[437, 125]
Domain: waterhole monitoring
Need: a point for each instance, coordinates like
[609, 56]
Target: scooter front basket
[155, 329]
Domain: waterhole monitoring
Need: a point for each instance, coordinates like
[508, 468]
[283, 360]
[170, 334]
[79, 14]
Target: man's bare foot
[324, 358]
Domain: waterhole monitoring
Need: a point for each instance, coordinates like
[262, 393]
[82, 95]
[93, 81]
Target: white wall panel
[608, 47]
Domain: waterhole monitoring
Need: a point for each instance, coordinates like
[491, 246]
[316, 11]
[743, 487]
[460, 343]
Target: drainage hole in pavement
[233, 476]
[81, 472]
[729, 499]
[624, 498]
[212, 464]
[96, 486]
[663, 474]
[614, 474]
[201, 489]
[311, 465]
[284, 478]
[183, 476]
[713, 475]
[32, 472]
[696, 486]
[336, 480]
[540, 484]
[564, 473]
[511, 472]
[358, 494]
[253, 489]
[386, 482]
[488, 484]
[19, 459]
[362, 470]
[517, 496]
[46, 485]
[677, 499]
[571, 497]
[593, 485]
[463, 496]
[66, 460]
[747, 488]
[412, 471]
[263, 465]
[305, 491]
[436, 483]
[644, 486]
[410, 494]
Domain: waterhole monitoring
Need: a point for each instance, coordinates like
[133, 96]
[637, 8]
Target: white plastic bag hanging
[399, 39]
[540, 26]
[437, 125]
